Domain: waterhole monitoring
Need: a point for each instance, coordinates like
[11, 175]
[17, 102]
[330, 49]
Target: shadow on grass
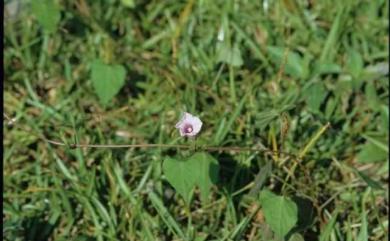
[306, 215]
[232, 175]
[131, 88]
[37, 228]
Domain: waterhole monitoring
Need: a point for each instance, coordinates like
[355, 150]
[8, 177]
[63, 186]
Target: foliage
[265, 74]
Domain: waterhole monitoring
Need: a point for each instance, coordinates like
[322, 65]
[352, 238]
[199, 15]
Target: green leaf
[331, 106]
[296, 237]
[178, 174]
[205, 172]
[355, 65]
[378, 143]
[107, 80]
[47, 13]
[293, 65]
[229, 55]
[315, 95]
[372, 97]
[371, 153]
[327, 68]
[128, 3]
[264, 118]
[200, 169]
[281, 214]
[201, 237]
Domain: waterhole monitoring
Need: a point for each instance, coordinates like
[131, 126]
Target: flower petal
[196, 124]
[182, 120]
[182, 133]
[193, 121]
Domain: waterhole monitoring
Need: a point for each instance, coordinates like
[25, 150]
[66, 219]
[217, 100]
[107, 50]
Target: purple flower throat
[188, 128]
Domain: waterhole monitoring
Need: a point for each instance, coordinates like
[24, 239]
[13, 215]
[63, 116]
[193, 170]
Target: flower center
[188, 128]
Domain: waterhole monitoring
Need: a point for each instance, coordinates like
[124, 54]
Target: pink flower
[189, 125]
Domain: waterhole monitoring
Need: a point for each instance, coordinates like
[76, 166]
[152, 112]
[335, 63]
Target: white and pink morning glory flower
[189, 125]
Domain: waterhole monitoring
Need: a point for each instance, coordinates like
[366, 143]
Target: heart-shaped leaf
[205, 172]
[178, 175]
[201, 170]
[280, 213]
[294, 65]
[371, 153]
[107, 80]
[47, 14]
[229, 55]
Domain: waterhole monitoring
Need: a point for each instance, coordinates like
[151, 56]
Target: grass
[284, 70]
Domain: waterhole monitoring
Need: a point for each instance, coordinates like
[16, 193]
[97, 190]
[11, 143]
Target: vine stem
[149, 145]
[153, 145]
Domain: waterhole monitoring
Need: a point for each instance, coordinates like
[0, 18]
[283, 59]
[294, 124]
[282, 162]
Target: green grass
[283, 71]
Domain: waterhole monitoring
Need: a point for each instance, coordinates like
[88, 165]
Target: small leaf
[128, 3]
[264, 118]
[229, 55]
[331, 105]
[315, 95]
[372, 97]
[293, 65]
[201, 237]
[354, 66]
[107, 80]
[381, 144]
[327, 68]
[47, 14]
[354, 63]
[281, 214]
[296, 237]
[371, 153]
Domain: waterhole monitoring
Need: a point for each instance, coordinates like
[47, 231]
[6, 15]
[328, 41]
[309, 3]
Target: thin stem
[147, 145]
